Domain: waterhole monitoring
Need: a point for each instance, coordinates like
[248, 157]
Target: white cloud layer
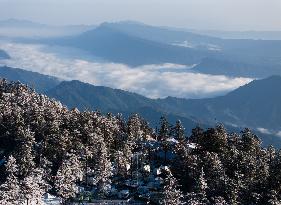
[264, 130]
[155, 81]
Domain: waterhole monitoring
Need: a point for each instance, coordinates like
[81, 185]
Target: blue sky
[197, 14]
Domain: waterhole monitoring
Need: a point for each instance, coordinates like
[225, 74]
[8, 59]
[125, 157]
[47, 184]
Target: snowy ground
[52, 202]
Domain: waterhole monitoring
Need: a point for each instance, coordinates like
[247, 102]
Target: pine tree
[234, 187]
[46, 167]
[197, 134]
[273, 200]
[178, 131]
[69, 173]
[163, 135]
[199, 197]
[250, 142]
[121, 135]
[33, 187]
[25, 154]
[90, 151]
[10, 190]
[172, 195]
[219, 201]
[271, 154]
[103, 168]
[214, 139]
[109, 127]
[215, 173]
[165, 129]
[202, 185]
[135, 132]
[123, 160]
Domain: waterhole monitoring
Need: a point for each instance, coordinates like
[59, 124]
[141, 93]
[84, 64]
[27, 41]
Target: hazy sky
[198, 14]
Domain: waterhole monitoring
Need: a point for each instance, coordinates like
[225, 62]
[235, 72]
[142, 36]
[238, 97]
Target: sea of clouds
[154, 81]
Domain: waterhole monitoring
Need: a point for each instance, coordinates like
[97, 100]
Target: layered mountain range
[137, 44]
[255, 105]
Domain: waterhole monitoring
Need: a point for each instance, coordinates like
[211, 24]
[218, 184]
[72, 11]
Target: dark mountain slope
[86, 96]
[256, 104]
[40, 82]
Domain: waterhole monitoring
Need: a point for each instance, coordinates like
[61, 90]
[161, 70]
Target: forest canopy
[47, 148]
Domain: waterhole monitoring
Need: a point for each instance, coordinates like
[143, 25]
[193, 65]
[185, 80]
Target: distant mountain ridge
[161, 34]
[138, 44]
[120, 47]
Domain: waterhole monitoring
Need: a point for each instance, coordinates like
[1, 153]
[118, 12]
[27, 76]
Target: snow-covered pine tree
[219, 201]
[199, 197]
[121, 134]
[33, 187]
[172, 195]
[234, 186]
[123, 161]
[68, 175]
[272, 198]
[165, 129]
[103, 168]
[90, 134]
[214, 139]
[163, 135]
[202, 186]
[197, 134]
[109, 128]
[25, 154]
[250, 142]
[215, 173]
[10, 189]
[178, 131]
[46, 167]
[135, 132]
